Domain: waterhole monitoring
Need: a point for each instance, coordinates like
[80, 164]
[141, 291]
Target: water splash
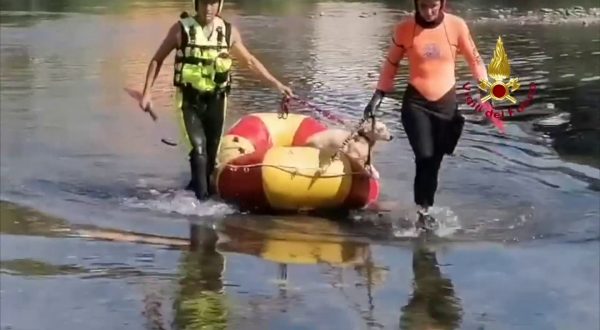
[178, 201]
[447, 222]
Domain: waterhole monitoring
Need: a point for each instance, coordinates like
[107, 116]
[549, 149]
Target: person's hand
[146, 102]
[373, 104]
[146, 105]
[285, 90]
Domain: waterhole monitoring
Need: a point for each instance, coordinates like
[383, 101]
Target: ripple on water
[178, 201]
[593, 78]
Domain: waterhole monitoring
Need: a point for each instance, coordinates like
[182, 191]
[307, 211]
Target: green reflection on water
[200, 302]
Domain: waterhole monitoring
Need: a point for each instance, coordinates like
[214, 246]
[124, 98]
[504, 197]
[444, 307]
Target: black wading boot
[210, 177]
[194, 173]
[198, 183]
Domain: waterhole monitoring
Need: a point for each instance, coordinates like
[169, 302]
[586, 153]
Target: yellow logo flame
[499, 69]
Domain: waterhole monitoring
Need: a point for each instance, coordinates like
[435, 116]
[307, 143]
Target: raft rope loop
[293, 170]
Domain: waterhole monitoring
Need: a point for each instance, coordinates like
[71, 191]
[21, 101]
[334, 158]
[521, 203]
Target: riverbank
[544, 16]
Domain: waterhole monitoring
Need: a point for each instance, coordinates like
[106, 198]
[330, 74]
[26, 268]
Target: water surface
[119, 245]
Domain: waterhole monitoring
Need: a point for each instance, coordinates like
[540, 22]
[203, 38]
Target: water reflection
[298, 240]
[308, 241]
[211, 274]
[29, 267]
[18, 220]
[292, 240]
[433, 303]
[578, 142]
[200, 302]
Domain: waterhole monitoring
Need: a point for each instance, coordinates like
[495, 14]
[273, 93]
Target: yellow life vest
[203, 63]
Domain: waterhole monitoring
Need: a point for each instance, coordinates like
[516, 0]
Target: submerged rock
[553, 122]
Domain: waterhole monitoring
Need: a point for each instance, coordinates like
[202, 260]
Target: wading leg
[192, 108]
[213, 122]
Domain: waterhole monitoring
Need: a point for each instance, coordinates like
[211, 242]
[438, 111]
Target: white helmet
[195, 2]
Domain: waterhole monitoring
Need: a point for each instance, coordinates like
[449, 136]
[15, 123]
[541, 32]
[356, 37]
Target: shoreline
[575, 15]
[543, 16]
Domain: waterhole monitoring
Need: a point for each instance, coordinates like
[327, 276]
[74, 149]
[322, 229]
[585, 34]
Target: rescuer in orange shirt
[430, 40]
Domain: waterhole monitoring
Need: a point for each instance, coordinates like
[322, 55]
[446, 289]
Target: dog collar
[364, 136]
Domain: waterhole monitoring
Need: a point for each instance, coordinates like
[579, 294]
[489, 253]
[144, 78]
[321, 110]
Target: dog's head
[378, 133]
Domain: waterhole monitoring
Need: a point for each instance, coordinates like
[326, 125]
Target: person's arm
[246, 59]
[388, 73]
[170, 42]
[395, 53]
[469, 50]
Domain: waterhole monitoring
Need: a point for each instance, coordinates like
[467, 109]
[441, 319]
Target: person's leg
[441, 130]
[213, 121]
[431, 168]
[192, 108]
[419, 130]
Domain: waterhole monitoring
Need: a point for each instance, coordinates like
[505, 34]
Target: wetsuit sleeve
[469, 50]
[391, 63]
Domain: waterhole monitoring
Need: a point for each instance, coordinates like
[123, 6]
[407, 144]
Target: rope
[350, 137]
[287, 100]
[291, 169]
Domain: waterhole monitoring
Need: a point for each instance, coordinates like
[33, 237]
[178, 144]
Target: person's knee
[199, 147]
[199, 158]
[424, 155]
[428, 165]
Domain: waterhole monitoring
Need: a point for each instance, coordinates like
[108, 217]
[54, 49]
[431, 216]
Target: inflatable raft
[263, 166]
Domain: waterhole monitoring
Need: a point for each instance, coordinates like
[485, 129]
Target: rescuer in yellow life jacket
[203, 45]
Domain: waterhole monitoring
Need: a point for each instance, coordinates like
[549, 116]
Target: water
[112, 247]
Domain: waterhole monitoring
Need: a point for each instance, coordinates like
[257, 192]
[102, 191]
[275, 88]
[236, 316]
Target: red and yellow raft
[262, 165]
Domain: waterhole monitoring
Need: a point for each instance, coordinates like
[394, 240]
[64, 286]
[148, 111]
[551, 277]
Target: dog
[331, 140]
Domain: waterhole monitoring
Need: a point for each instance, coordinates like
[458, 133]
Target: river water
[98, 234]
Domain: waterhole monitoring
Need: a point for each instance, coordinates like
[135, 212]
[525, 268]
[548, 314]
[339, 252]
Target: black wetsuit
[431, 128]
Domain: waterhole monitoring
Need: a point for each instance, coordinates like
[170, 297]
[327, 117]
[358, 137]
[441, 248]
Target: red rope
[286, 104]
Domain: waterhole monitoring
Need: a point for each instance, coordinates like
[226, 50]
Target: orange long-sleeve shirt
[431, 55]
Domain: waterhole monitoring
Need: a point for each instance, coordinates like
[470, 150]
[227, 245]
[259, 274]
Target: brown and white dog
[330, 141]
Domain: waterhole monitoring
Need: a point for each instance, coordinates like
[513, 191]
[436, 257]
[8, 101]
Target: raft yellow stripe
[305, 189]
